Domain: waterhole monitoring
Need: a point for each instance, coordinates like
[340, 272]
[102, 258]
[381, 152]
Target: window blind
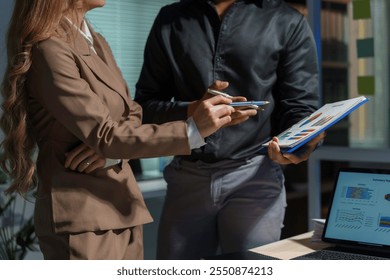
[126, 24]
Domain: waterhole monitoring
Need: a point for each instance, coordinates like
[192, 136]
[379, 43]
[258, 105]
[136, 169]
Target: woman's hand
[211, 112]
[84, 159]
[240, 114]
[296, 157]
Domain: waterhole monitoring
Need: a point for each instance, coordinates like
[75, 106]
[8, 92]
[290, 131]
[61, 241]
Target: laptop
[358, 221]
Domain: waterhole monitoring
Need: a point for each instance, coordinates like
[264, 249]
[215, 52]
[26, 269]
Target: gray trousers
[228, 206]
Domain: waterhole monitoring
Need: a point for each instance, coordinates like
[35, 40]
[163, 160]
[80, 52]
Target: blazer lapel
[107, 73]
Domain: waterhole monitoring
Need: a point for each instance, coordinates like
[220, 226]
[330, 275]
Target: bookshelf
[334, 60]
[363, 139]
[335, 70]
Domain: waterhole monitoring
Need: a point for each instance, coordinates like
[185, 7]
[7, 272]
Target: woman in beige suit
[63, 88]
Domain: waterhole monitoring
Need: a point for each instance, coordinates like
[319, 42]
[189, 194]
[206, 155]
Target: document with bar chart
[309, 127]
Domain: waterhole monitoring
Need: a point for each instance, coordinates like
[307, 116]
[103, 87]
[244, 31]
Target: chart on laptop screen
[361, 208]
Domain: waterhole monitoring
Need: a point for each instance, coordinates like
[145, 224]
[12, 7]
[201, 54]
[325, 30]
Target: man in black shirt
[226, 194]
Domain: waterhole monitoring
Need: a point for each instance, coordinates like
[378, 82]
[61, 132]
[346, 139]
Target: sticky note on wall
[361, 9]
[365, 47]
[366, 85]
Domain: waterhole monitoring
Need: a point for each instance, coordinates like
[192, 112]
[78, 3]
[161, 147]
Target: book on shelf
[312, 125]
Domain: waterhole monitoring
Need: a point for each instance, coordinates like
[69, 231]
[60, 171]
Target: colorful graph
[295, 138]
[350, 217]
[323, 121]
[298, 135]
[384, 222]
[358, 193]
[310, 119]
[284, 136]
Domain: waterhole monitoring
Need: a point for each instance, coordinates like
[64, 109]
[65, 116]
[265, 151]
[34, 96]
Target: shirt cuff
[111, 162]
[194, 138]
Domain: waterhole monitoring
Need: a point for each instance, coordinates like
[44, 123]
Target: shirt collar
[86, 32]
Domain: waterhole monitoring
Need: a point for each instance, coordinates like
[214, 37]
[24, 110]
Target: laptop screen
[359, 212]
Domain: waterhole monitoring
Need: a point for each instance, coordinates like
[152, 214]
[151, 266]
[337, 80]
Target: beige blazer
[78, 96]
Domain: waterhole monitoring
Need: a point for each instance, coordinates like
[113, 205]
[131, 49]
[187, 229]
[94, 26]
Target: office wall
[5, 15]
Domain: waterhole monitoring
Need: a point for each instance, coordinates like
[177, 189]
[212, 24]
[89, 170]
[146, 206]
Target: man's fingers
[219, 85]
[297, 157]
[275, 154]
[244, 113]
[218, 99]
[239, 99]
[237, 120]
[291, 158]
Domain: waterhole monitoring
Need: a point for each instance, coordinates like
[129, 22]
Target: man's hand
[241, 115]
[296, 157]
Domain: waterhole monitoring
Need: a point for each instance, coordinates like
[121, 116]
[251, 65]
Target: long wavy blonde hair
[32, 22]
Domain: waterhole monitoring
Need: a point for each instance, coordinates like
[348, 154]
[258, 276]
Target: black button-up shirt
[264, 49]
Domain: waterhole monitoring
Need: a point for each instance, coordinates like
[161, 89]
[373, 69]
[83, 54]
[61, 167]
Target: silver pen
[249, 103]
[216, 92]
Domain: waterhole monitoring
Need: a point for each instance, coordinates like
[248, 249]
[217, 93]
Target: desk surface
[291, 247]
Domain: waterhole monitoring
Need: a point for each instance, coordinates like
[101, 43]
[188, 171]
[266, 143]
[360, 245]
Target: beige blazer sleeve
[77, 89]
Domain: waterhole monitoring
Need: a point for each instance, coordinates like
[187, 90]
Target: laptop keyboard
[336, 255]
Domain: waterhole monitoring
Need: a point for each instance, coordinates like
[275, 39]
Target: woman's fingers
[91, 163]
[212, 114]
[83, 159]
[77, 155]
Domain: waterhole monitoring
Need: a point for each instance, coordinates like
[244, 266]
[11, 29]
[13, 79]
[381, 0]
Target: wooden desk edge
[291, 247]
